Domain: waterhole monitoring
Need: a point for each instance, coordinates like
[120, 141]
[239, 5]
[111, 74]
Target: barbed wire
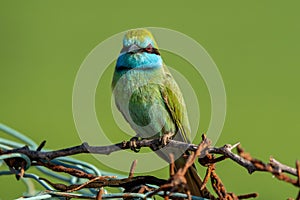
[85, 181]
[28, 178]
[71, 163]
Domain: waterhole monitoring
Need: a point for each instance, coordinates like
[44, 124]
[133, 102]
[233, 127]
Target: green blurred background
[255, 44]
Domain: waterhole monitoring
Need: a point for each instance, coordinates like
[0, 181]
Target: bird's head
[139, 51]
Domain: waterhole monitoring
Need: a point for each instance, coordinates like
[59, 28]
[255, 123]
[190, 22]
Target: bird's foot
[133, 145]
[164, 140]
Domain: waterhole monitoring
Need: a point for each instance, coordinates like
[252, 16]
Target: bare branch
[176, 182]
[282, 167]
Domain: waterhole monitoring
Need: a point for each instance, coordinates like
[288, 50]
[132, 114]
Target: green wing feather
[175, 105]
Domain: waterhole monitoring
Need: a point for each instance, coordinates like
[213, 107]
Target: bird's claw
[133, 145]
[164, 140]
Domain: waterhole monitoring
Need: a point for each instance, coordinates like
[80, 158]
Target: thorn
[22, 170]
[41, 146]
[206, 178]
[172, 165]
[132, 168]
[234, 146]
[189, 195]
[100, 193]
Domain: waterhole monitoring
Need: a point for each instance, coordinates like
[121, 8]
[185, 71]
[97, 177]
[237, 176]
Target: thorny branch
[176, 182]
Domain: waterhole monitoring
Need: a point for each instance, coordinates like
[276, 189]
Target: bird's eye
[149, 48]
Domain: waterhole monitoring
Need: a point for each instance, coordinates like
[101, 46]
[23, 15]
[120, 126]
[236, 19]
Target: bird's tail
[193, 180]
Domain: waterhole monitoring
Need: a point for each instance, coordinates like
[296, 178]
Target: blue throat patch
[141, 61]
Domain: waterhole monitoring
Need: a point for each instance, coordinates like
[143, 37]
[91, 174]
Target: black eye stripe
[152, 50]
[148, 50]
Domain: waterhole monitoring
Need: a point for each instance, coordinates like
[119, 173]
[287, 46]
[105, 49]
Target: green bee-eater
[149, 98]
